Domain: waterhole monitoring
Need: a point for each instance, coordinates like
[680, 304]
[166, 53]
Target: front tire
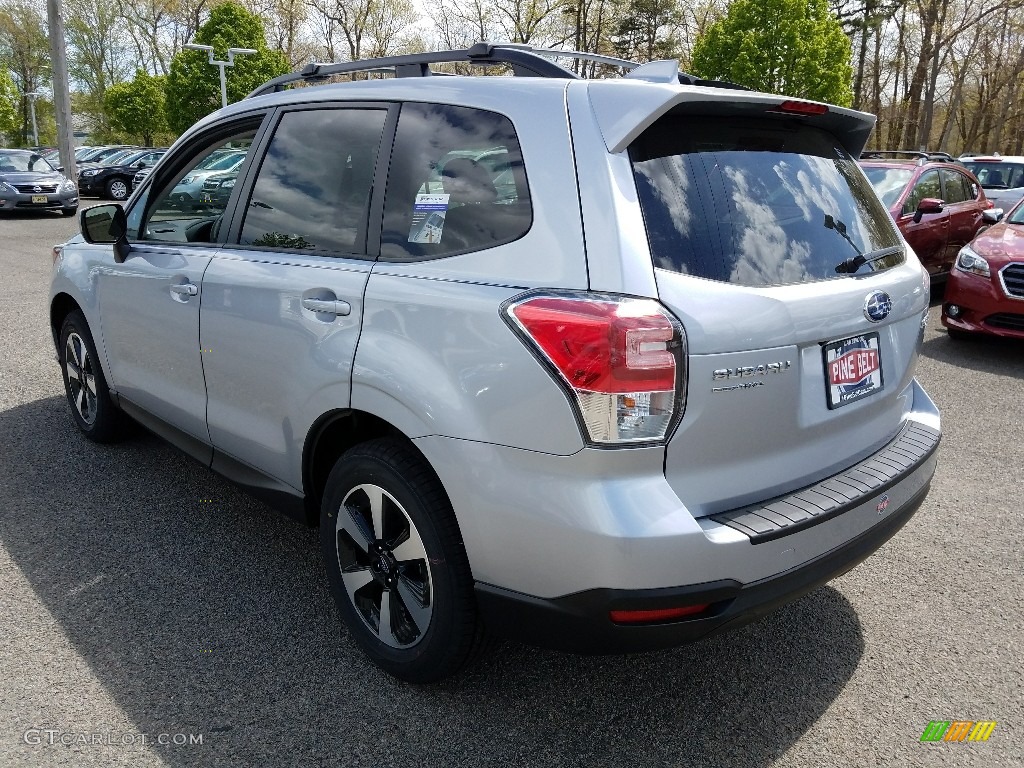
[92, 408]
[396, 564]
[69, 211]
[118, 189]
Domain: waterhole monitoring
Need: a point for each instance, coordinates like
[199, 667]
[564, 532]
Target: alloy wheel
[118, 190]
[384, 566]
[78, 366]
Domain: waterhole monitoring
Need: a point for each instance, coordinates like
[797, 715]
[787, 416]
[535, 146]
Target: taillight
[621, 358]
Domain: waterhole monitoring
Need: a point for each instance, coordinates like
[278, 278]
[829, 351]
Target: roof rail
[921, 156]
[525, 60]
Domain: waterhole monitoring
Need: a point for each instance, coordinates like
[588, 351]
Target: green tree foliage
[137, 107]
[10, 119]
[795, 47]
[193, 85]
[647, 30]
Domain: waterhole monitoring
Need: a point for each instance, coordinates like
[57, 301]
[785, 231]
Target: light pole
[32, 104]
[218, 63]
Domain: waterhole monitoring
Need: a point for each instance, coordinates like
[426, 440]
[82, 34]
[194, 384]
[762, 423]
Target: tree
[794, 47]
[647, 31]
[9, 118]
[193, 86]
[25, 50]
[137, 107]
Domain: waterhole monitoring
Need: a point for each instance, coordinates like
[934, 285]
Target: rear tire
[92, 408]
[396, 564]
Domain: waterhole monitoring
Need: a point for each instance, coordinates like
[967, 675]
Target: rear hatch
[802, 308]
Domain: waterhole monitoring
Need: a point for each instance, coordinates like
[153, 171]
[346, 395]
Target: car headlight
[969, 261]
[5, 187]
[68, 186]
[187, 180]
[229, 184]
[89, 172]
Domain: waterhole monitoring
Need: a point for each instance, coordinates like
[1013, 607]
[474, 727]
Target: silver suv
[604, 365]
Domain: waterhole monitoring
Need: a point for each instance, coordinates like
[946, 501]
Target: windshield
[23, 162]
[888, 182]
[117, 157]
[755, 202]
[226, 162]
[1017, 214]
[998, 175]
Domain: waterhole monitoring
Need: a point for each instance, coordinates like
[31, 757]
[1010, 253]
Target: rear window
[755, 202]
[998, 175]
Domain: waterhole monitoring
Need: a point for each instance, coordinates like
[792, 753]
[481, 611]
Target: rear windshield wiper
[854, 263]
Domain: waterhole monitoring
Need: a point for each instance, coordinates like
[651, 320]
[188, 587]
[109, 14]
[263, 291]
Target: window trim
[368, 247]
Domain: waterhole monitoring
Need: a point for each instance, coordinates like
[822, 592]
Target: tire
[69, 211]
[92, 408]
[392, 547]
[118, 189]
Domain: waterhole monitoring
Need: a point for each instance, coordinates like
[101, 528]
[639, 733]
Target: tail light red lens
[619, 356]
[656, 615]
[802, 108]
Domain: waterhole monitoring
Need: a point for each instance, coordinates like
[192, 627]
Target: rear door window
[755, 201]
[954, 188]
[456, 184]
[312, 191]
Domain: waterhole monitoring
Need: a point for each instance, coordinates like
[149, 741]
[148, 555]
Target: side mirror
[107, 224]
[60, 169]
[992, 215]
[928, 205]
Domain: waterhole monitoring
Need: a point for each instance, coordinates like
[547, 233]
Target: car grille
[30, 189]
[1007, 321]
[1013, 280]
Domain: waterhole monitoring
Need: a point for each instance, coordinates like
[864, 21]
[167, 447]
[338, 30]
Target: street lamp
[218, 63]
[32, 103]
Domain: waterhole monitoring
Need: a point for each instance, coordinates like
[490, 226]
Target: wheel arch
[330, 436]
[61, 306]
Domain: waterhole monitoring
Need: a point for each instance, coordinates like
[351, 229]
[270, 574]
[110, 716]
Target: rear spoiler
[622, 115]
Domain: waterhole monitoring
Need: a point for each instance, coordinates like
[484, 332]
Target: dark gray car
[27, 181]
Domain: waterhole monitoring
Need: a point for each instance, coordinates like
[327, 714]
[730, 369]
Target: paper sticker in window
[428, 218]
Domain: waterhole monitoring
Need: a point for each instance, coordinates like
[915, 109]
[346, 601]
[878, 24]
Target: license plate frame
[40, 199]
[853, 369]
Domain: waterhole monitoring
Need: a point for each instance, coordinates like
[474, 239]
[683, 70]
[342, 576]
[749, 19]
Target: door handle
[185, 289]
[326, 305]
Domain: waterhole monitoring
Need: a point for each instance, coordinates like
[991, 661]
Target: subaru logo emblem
[877, 306]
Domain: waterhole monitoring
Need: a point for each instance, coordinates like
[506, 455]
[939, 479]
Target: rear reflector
[658, 614]
[619, 356]
[802, 108]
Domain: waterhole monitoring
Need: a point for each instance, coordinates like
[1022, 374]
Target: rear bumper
[580, 623]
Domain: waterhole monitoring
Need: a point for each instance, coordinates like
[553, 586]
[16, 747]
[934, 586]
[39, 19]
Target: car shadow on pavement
[987, 354]
[201, 611]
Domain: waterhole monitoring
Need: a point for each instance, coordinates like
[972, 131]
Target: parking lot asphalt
[142, 596]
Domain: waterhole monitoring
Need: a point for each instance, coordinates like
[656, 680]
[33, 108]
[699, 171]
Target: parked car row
[952, 215]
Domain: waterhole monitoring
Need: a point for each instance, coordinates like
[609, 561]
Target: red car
[937, 206]
[985, 291]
